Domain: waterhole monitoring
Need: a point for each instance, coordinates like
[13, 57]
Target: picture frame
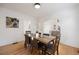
[12, 22]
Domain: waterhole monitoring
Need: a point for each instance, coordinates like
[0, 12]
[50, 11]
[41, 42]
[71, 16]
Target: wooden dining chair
[56, 41]
[34, 45]
[56, 45]
[53, 46]
[27, 41]
[41, 47]
[50, 48]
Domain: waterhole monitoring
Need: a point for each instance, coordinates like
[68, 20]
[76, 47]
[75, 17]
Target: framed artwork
[12, 22]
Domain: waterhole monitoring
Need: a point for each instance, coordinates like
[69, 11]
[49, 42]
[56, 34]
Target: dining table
[45, 41]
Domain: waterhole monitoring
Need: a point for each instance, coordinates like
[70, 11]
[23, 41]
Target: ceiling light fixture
[37, 5]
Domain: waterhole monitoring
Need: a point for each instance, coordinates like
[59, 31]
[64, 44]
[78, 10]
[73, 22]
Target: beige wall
[10, 35]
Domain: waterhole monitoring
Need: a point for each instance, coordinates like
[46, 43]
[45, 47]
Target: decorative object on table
[37, 34]
[12, 22]
[40, 35]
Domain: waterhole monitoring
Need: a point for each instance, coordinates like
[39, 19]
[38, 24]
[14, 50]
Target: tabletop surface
[46, 39]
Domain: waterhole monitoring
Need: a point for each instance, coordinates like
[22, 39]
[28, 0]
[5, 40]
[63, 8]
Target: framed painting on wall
[12, 22]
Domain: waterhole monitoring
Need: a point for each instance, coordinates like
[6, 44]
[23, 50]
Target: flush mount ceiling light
[37, 5]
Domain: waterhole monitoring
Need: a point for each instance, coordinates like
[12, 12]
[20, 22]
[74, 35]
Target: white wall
[10, 35]
[69, 24]
[69, 27]
[30, 24]
[48, 24]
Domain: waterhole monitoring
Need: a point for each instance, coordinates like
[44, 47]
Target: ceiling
[45, 10]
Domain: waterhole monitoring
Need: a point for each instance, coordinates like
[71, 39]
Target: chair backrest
[46, 34]
[34, 43]
[55, 33]
[50, 45]
[27, 32]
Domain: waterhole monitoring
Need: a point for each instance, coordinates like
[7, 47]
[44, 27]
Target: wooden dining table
[46, 39]
[43, 39]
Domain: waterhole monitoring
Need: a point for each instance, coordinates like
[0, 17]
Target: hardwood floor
[18, 49]
[68, 50]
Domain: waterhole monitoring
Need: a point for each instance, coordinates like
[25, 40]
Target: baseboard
[8, 43]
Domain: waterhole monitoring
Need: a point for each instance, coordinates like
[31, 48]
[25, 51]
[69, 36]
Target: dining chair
[56, 41]
[56, 45]
[50, 48]
[28, 32]
[34, 45]
[27, 41]
[55, 33]
[53, 46]
[46, 34]
[41, 47]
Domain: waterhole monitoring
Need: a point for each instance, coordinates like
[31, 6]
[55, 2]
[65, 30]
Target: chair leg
[25, 45]
[57, 52]
[31, 50]
[53, 52]
[39, 51]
